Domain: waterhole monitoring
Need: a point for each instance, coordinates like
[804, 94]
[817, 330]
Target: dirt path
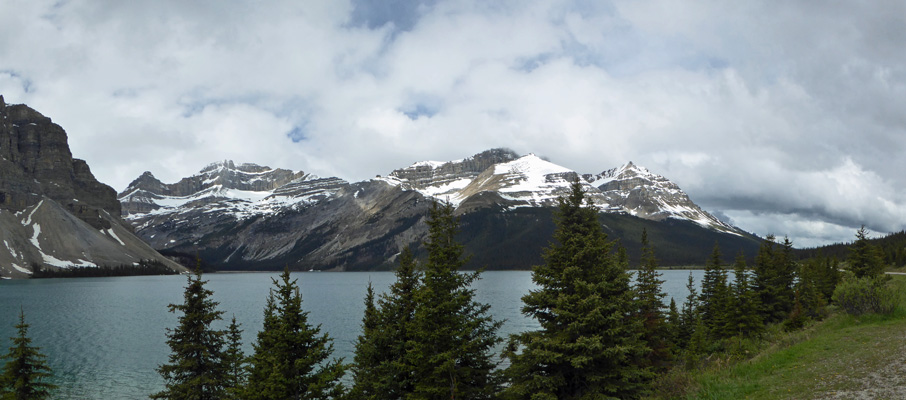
[888, 382]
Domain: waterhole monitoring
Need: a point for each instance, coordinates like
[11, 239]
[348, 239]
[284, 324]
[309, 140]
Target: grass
[838, 354]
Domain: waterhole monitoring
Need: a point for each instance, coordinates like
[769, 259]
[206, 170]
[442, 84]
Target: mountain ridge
[329, 223]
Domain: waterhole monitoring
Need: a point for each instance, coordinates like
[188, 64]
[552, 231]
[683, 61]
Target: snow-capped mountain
[641, 193]
[243, 190]
[527, 181]
[530, 181]
[249, 216]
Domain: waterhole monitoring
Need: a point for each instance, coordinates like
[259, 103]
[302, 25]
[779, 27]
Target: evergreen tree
[828, 276]
[397, 315]
[370, 360]
[674, 323]
[714, 300]
[865, 259]
[26, 371]
[649, 300]
[291, 357]
[623, 258]
[808, 289]
[195, 369]
[234, 362]
[744, 317]
[689, 316]
[774, 275]
[381, 369]
[454, 335]
[589, 345]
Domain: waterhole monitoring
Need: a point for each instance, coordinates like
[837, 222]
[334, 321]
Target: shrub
[860, 296]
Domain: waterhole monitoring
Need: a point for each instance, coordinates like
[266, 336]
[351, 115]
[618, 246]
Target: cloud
[785, 118]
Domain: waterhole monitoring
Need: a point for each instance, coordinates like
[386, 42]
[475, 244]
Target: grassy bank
[840, 357]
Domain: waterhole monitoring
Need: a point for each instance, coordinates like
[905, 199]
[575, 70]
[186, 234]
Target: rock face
[635, 190]
[35, 161]
[251, 217]
[39, 178]
[244, 190]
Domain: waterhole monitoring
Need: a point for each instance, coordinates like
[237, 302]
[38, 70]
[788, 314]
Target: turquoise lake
[104, 337]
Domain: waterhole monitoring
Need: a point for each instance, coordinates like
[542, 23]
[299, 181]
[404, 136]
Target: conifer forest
[605, 330]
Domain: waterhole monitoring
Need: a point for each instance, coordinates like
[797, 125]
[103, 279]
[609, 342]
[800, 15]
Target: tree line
[143, 267]
[602, 333]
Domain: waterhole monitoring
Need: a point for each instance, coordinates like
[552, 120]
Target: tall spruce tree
[650, 303]
[234, 362]
[369, 361]
[381, 369]
[674, 324]
[714, 300]
[689, 316]
[774, 275]
[744, 316]
[825, 273]
[589, 345]
[26, 371]
[291, 357]
[454, 335]
[195, 369]
[398, 313]
[808, 289]
[865, 259]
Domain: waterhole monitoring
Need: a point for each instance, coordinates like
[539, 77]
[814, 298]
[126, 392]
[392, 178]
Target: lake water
[104, 337]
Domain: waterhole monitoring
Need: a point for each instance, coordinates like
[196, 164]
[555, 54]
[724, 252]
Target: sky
[785, 118]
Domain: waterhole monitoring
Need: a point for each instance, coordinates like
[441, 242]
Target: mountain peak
[229, 165]
[225, 164]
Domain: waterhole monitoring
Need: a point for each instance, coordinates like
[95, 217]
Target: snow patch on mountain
[530, 181]
[242, 191]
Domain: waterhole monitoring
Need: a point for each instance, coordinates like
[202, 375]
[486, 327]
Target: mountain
[247, 216]
[638, 192]
[53, 212]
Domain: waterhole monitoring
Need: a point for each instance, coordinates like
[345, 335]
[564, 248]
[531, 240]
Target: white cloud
[785, 117]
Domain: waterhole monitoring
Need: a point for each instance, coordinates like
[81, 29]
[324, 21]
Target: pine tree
[623, 258]
[381, 369]
[649, 299]
[774, 275]
[291, 357]
[26, 372]
[454, 335]
[195, 369]
[808, 289]
[369, 363]
[689, 316]
[828, 272]
[714, 300]
[674, 323]
[234, 362]
[865, 259]
[744, 317]
[589, 344]
[398, 312]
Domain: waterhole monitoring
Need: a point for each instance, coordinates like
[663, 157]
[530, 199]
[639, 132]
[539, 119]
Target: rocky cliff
[35, 162]
[53, 210]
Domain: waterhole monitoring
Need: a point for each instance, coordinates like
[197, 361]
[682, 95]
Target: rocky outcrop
[444, 178]
[35, 162]
[53, 211]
